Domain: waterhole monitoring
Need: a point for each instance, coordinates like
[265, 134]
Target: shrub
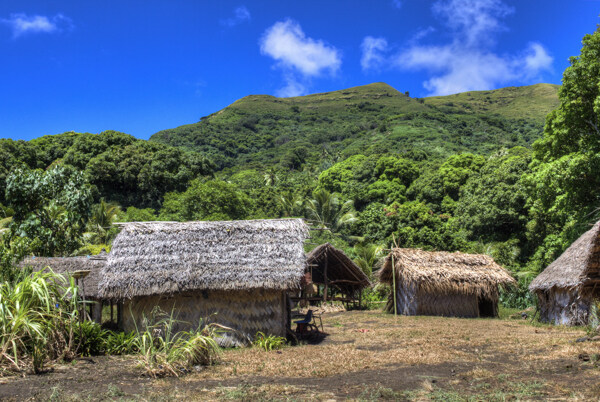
[38, 319]
[90, 338]
[120, 343]
[164, 352]
[268, 343]
[372, 298]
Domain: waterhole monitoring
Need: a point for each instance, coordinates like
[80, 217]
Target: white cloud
[286, 42]
[468, 62]
[240, 14]
[537, 59]
[474, 21]
[298, 56]
[21, 24]
[292, 88]
[373, 53]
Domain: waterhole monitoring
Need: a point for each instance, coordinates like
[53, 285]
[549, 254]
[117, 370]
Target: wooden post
[111, 312]
[326, 279]
[97, 312]
[394, 290]
[359, 299]
[120, 315]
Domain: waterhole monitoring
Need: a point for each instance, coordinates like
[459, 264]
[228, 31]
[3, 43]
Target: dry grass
[371, 356]
[405, 340]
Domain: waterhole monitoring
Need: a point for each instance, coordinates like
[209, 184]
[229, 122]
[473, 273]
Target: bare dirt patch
[366, 356]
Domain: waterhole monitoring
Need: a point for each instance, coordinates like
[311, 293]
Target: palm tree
[100, 222]
[367, 256]
[271, 177]
[291, 204]
[325, 208]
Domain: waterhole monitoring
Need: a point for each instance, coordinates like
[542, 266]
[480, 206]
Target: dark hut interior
[336, 276]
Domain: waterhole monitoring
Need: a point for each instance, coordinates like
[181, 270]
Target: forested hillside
[372, 119]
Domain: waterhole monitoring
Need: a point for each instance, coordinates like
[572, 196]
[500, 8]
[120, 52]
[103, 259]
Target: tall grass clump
[39, 317]
[268, 342]
[162, 351]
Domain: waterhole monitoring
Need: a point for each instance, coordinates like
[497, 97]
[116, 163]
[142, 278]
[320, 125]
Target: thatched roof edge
[320, 251]
[155, 258]
[444, 272]
[572, 268]
[69, 265]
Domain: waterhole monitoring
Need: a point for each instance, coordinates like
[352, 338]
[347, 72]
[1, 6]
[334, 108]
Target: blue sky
[143, 66]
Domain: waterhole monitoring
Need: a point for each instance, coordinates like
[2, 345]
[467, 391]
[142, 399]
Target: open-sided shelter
[235, 273]
[86, 269]
[567, 287]
[443, 283]
[332, 268]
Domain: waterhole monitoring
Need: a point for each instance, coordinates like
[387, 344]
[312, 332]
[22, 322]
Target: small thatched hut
[443, 283]
[332, 268]
[235, 273]
[567, 287]
[87, 267]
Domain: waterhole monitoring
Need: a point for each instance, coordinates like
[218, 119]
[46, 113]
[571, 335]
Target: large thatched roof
[341, 270]
[68, 265]
[444, 272]
[151, 258]
[577, 267]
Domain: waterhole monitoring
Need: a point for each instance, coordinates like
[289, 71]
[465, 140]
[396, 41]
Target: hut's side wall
[406, 299]
[447, 305]
[561, 307]
[246, 312]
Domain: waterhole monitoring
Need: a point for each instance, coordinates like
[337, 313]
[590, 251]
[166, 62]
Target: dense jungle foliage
[475, 172]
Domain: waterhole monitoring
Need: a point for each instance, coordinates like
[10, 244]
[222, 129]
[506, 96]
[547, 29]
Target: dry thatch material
[440, 272]
[68, 265]
[154, 258]
[340, 269]
[578, 268]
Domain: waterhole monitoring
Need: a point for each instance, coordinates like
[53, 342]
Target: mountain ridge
[372, 118]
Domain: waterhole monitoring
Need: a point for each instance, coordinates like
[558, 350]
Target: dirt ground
[366, 355]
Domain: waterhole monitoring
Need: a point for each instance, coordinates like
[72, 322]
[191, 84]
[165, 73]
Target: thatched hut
[568, 286]
[332, 268]
[443, 283]
[235, 273]
[86, 269]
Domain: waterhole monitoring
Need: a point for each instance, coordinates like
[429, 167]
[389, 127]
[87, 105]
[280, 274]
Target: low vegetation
[268, 342]
[163, 351]
[367, 355]
[39, 321]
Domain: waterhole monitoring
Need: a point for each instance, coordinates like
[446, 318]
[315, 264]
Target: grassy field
[365, 356]
[530, 102]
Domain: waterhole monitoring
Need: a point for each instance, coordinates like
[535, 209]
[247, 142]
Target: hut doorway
[487, 308]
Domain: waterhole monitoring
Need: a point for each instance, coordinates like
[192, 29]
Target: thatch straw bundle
[576, 268]
[444, 273]
[68, 265]
[154, 258]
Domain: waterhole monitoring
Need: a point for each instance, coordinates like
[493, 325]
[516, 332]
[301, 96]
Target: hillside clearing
[366, 355]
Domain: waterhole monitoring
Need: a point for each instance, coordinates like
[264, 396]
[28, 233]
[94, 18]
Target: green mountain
[531, 102]
[376, 118]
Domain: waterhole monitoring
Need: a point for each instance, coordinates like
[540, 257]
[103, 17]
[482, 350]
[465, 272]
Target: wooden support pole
[120, 315]
[111, 312]
[97, 312]
[326, 280]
